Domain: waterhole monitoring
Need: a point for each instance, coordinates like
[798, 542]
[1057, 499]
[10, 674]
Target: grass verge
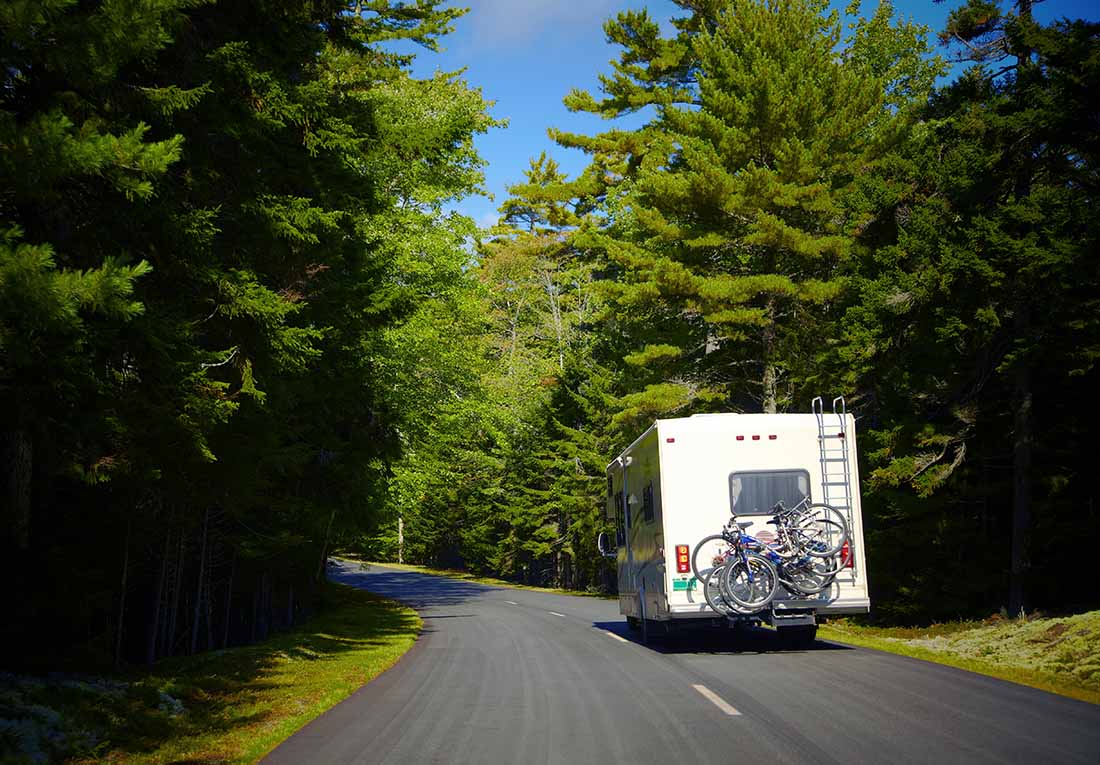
[1056, 654]
[467, 576]
[231, 706]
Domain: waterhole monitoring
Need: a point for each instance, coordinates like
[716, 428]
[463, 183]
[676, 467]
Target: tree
[725, 221]
[972, 304]
[210, 223]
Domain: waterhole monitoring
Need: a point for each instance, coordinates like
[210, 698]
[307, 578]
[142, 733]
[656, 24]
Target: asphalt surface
[511, 676]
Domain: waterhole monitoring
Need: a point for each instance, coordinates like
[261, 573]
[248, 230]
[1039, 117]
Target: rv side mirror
[603, 542]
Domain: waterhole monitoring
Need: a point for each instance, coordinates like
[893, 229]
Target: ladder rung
[834, 459]
[836, 483]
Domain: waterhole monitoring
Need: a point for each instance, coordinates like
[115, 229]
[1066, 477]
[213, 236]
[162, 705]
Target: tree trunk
[1021, 473]
[324, 546]
[122, 595]
[158, 598]
[771, 377]
[20, 456]
[555, 315]
[198, 587]
[229, 600]
[177, 586]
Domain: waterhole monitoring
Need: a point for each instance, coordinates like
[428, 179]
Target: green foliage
[728, 229]
[221, 219]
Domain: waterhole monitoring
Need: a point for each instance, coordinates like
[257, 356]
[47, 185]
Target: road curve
[511, 676]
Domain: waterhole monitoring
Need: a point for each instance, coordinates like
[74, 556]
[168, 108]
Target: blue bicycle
[733, 577]
[799, 571]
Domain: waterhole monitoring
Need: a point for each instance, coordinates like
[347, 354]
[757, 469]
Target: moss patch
[1057, 654]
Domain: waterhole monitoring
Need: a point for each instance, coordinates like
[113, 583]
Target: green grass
[469, 577]
[230, 706]
[1056, 654]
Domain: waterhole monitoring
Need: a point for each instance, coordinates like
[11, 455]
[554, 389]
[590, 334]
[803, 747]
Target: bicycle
[815, 529]
[745, 580]
[800, 573]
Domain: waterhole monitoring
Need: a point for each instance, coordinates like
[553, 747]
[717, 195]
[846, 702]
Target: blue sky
[526, 55]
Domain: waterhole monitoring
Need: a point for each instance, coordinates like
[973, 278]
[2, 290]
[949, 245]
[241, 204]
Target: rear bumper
[836, 607]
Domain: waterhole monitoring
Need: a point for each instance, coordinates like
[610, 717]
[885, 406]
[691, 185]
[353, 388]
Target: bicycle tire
[712, 591]
[821, 535]
[701, 571]
[751, 583]
[809, 576]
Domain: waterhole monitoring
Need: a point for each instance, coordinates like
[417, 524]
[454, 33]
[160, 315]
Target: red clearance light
[670, 440]
[846, 556]
[772, 438]
[683, 564]
[740, 438]
[756, 438]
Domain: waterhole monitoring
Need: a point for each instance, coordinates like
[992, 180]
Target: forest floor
[1057, 654]
[230, 706]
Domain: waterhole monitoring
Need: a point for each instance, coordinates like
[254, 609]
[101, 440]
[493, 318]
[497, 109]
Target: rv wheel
[797, 637]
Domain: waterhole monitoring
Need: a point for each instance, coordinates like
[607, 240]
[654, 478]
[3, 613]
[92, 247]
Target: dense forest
[240, 327]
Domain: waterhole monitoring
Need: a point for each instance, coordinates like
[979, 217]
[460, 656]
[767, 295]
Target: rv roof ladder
[836, 470]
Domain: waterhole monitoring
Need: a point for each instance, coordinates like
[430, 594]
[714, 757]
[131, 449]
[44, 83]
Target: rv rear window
[756, 493]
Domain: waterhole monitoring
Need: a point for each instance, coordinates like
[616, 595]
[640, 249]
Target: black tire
[751, 584]
[820, 530]
[633, 623]
[712, 591]
[797, 637]
[809, 576]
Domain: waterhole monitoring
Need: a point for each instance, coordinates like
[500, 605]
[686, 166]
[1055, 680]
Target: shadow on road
[419, 591]
[716, 640]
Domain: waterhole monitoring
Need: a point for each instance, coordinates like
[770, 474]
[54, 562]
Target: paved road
[508, 676]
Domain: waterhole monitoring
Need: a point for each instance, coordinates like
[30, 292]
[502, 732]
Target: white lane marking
[715, 699]
[555, 613]
[512, 602]
[612, 635]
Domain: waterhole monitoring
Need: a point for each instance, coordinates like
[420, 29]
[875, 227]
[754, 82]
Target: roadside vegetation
[468, 576]
[1056, 654]
[229, 706]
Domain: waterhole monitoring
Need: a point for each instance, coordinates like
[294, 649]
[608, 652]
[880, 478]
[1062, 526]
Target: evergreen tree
[974, 317]
[725, 218]
[213, 214]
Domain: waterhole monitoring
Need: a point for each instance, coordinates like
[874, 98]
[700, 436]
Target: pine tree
[973, 317]
[725, 221]
[213, 214]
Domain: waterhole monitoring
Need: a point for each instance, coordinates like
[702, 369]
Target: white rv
[681, 480]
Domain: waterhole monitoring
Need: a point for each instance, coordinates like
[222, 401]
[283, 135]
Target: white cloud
[488, 219]
[510, 23]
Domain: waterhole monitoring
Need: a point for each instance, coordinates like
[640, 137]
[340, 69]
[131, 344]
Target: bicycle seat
[773, 522]
[744, 524]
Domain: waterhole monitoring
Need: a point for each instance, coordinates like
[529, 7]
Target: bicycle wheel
[751, 583]
[808, 576]
[712, 591]
[708, 555]
[819, 530]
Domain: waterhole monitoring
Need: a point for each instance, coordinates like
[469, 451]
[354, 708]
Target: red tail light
[846, 556]
[683, 562]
